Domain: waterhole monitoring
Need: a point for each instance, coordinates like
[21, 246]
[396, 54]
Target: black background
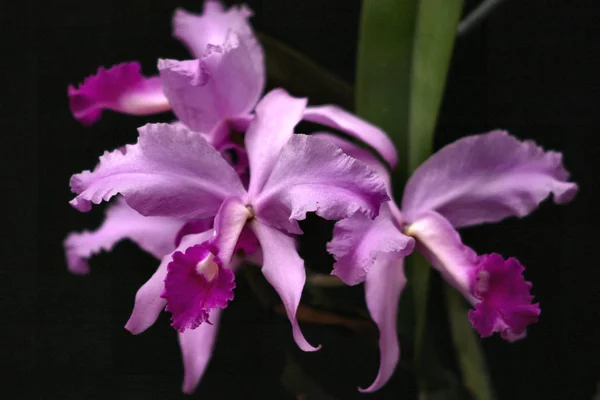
[531, 68]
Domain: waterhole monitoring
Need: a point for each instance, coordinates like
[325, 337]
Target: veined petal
[221, 84]
[495, 286]
[313, 174]
[354, 126]
[485, 178]
[360, 154]
[212, 28]
[360, 243]
[153, 234]
[148, 303]
[383, 287]
[120, 88]
[284, 270]
[195, 285]
[196, 349]
[505, 302]
[170, 171]
[276, 115]
[372, 162]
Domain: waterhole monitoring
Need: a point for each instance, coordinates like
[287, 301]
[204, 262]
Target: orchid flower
[214, 94]
[123, 89]
[160, 236]
[478, 179]
[173, 172]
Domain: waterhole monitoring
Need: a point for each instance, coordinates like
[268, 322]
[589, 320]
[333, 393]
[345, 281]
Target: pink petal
[196, 350]
[223, 83]
[505, 302]
[120, 88]
[212, 28]
[196, 283]
[354, 126]
[372, 162]
[163, 174]
[359, 244]
[360, 154]
[247, 242]
[284, 270]
[148, 303]
[493, 285]
[485, 178]
[384, 284]
[441, 245]
[273, 125]
[229, 224]
[313, 175]
[153, 234]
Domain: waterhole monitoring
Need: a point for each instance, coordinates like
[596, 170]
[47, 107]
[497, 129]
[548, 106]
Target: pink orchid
[213, 94]
[478, 179]
[173, 173]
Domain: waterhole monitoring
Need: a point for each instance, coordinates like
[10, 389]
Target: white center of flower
[410, 230]
[208, 267]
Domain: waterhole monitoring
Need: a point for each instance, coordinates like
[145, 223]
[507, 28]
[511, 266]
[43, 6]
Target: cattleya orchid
[478, 179]
[122, 88]
[184, 199]
[173, 173]
[213, 94]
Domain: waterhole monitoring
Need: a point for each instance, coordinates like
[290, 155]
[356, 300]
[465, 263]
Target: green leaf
[433, 42]
[302, 76]
[468, 347]
[383, 70]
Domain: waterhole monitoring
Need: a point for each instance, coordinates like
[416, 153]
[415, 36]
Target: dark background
[531, 68]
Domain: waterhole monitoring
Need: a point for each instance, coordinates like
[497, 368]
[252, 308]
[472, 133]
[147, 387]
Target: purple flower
[478, 179]
[196, 283]
[215, 93]
[173, 173]
[122, 88]
[156, 236]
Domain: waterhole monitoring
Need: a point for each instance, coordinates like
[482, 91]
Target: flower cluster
[183, 197]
